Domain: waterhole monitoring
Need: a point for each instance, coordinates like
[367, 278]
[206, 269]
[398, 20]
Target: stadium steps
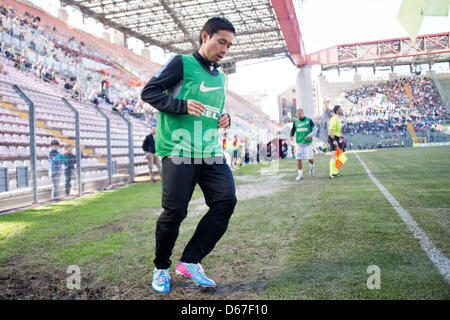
[409, 94]
[408, 90]
[413, 134]
[54, 132]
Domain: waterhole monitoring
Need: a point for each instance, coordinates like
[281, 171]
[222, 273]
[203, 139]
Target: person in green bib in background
[304, 129]
[189, 92]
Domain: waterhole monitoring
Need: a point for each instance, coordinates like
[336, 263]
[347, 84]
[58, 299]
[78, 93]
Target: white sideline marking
[436, 256]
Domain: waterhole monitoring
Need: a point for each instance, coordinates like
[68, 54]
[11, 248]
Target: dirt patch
[32, 282]
[19, 280]
[252, 187]
[263, 186]
[111, 227]
[185, 289]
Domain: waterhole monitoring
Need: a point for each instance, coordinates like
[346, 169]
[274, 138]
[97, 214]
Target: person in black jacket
[149, 147]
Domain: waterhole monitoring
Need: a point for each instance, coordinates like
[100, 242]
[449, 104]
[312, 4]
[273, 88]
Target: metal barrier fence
[96, 146]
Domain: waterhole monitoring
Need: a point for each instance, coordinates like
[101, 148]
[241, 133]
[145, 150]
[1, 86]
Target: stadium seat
[18, 163]
[12, 185]
[8, 164]
[45, 180]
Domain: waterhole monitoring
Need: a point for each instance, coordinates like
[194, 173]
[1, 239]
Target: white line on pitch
[436, 256]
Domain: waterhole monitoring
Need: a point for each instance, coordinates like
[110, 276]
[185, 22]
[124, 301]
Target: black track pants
[179, 181]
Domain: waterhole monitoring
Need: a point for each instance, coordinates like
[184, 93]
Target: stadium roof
[175, 25]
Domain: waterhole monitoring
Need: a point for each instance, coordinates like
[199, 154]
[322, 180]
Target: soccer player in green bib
[189, 92]
[304, 129]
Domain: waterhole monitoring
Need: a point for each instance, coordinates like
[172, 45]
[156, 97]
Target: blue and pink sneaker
[161, 280]
[195, 272]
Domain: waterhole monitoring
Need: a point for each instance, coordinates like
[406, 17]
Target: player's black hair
[336, 108]
[215, 24]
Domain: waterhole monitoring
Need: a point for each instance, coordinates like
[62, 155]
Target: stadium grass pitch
[312, 239]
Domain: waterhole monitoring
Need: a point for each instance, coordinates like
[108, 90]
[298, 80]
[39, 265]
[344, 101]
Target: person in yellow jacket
[335, 138]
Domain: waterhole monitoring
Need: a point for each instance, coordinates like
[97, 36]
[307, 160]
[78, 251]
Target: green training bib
[302, 129]
[185, 135]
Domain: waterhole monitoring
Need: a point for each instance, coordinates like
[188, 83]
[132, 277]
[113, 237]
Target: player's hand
[224, 121]
[335, 143]
[195, 108]
[308, 138]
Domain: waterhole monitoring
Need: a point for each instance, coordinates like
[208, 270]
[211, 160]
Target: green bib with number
[302, 129]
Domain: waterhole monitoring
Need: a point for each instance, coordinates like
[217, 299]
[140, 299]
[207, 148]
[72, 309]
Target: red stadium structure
[287, 19]
[427, 49]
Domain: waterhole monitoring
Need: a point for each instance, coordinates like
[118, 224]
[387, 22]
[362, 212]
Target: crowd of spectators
[136, 107]
[388, 106]
[27, 27]
[53, 49]
[45, 41]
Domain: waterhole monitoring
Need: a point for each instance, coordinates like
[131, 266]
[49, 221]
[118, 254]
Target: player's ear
[205, 36]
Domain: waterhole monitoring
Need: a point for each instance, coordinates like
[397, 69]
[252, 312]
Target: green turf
[420, 181]
[308, 240]
[353, 226]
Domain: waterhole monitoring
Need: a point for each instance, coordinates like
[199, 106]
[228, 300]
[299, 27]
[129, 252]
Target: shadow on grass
[32, 228]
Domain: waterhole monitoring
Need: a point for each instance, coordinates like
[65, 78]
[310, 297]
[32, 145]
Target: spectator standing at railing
[69, 165]
[54, 160]
[149, 148]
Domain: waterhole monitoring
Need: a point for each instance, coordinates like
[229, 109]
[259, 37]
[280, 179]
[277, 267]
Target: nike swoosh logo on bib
[208, 89]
